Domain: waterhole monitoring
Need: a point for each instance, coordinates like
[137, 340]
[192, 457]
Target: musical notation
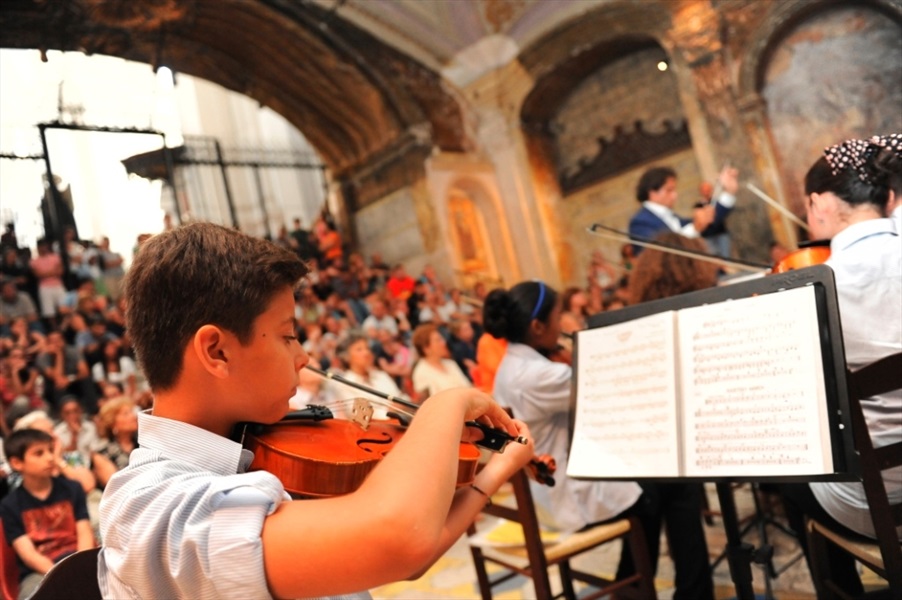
[734, 388]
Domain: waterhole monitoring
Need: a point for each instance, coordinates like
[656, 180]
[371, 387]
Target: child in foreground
[46, 518]
[211, 314]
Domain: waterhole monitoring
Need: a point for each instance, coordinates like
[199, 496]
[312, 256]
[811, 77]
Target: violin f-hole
[385, 440]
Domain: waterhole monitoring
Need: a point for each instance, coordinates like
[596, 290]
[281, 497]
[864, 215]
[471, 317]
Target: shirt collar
[180, 441]
[524, 351]
[858, 231]
[659, 210]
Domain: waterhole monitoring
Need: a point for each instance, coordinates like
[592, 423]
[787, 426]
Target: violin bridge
[362, 412]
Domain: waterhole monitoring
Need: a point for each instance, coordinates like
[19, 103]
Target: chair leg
[542, 583]
[482, 576]
[646, 585]
[566, 580]
[817, 552]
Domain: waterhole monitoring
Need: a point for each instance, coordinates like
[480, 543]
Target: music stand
[837, 421]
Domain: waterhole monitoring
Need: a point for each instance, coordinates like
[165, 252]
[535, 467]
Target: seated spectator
[15, 304]
[38, 419]
[400, 284]
[14, 265]
[76, 433]
[117, 437]
[573, 310]
[600, 272]
[367, 282]
[395, 358]
[45, 519]
[489, 352]
[430, 307]
[309, 308]
[92, 338]
[455, 307]
[359, 364]
[116, 367]
[19, 382]
[65, 372]
[311, 390]
[434, 371]
[379, 320]
[462, 345]
[114, 315]
[380, 270]
[30, 341]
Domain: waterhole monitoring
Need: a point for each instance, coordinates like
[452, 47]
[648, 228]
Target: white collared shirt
[866, 259]
[538, 392]
[672, 220]
[183, 520]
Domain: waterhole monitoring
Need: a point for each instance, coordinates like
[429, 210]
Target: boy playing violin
[211, 313]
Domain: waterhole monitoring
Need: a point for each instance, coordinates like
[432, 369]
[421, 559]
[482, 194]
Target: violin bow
[363, 388]
[776, 206]
[621, 236]
[493, 439]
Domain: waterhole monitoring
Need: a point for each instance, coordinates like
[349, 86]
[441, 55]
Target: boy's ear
[210, 347]
[16, 463]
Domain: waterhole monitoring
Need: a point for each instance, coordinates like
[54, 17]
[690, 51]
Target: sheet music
[753, 393]
[626, 414]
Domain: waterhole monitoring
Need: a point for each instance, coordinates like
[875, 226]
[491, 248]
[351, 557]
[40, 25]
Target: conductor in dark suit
[657, 192]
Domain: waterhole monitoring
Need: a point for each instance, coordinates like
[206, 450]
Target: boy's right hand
[480, 407]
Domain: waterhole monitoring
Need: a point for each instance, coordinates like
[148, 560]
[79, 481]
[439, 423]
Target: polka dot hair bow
[857, 154]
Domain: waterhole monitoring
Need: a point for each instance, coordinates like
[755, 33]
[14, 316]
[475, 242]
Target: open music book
[726, 389]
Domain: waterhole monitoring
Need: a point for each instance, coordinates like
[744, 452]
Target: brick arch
[306, 63]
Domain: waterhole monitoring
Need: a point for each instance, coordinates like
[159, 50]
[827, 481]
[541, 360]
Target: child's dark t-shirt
[49, 523]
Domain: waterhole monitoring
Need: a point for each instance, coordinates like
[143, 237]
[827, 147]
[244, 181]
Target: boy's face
[39, 461]
[265, 372]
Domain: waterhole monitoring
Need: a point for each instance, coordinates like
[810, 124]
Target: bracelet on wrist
[488, 499]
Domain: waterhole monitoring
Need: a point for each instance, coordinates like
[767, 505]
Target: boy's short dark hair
[652, 180]
[18, 442]
[195, 275]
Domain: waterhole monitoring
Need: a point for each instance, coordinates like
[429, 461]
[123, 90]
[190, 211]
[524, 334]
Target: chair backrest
[882, 376]
[9, 569]
[74, 576]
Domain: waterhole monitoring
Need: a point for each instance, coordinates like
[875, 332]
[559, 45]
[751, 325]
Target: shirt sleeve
[13, 527]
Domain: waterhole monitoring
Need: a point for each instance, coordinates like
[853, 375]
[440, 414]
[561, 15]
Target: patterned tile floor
[453, 575]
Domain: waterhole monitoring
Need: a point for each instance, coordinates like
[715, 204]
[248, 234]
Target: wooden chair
[885, 556]
[535, 557]
[9, 569]
[73, 577]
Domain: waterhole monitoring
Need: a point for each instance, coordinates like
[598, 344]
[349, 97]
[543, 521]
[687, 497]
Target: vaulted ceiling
[362, 79]
[351, 95]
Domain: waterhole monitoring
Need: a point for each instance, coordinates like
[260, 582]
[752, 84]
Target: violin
[315, 455]
[332, 457]
[812, 253]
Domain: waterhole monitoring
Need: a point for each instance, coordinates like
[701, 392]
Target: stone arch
[782, 18]
[790, 123]
[356, 108]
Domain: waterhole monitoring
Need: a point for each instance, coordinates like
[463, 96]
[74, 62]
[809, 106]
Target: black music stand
[740, 554]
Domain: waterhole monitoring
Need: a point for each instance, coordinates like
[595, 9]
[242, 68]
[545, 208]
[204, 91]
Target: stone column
[702, 69]
[529, 210]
